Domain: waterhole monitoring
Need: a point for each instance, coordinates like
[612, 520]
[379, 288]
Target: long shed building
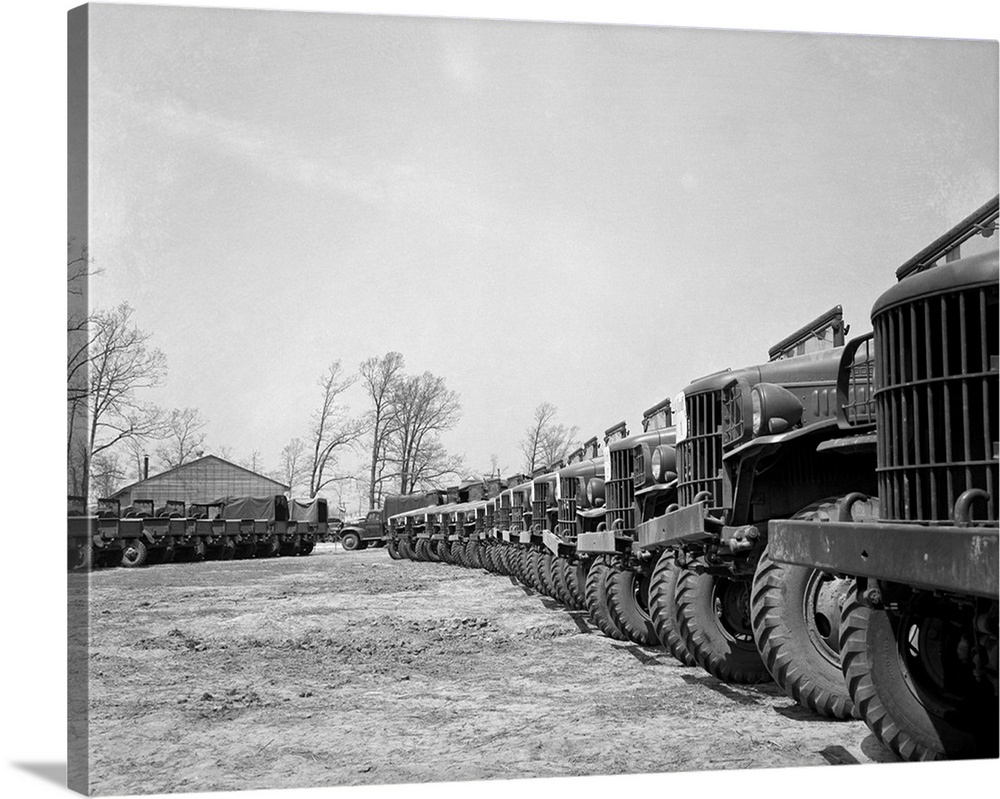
[202, 480]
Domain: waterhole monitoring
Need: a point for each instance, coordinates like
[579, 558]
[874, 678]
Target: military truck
[580, 509]
[618, 577]
[918, 625]
[754, 444]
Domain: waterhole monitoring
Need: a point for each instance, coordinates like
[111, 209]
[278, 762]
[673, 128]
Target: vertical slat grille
[619, 492]
[936, 405]
[503, 513]
[540, 504]
[517, 512]
[858, 402]
[699, 456]
[567, 505]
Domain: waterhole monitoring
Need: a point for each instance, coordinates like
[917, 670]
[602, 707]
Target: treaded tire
[267, 548]
[306, 547]
[880, 687]
[715, 648]
[598, 601]
[134, 554]
[350, 541]
[663, 607]
[577, 574]
[545, 573]
[535, 570]
[198, 550]
[433, 553]
[406, 549]
[444, 552]
[558, 578]
[422, 550]
[291, 548]
[473, 554]
[392, 547]
[627, 590]
[788, 624]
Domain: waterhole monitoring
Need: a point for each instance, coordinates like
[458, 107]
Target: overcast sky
[585, 214]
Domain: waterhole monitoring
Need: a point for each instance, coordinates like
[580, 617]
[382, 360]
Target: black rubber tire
[913, 724]
[663, 606]
[473, 554]
[724, 651]
[244, 551]
[306, 547]
[598, 601]
[291, 548]
[557, 576]
[81, 558]
[797, 636]
[433, 555]
[486, 550]
[134, 554]
[545, 574]
[392, 547]
[406, 549]
[532, 557]
[198, 550]
[579, 569]
[267, 547]
[350, 541]
[423, 550]
[628, 593]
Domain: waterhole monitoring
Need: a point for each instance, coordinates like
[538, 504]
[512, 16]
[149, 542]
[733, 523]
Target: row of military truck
[826, 520]
[232, 527]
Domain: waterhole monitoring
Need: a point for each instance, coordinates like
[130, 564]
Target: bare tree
[184, 437]
[422, 407]
[545, 441]
[293, 466]
[253, 463]
[226, 453]
[494, 465]
[431, 463]
[332, 429]
[380, 377]
[118, 363]
[107, 473]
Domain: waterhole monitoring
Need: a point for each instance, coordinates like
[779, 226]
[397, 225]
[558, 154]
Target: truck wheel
[422, 550]
[473, 554]
[267, 548]
[545, 574]
[290, 548]
[910, 687]
[134, 554]
[529, 568]
[306, 547]
[392, 547]
[663, 606]
[557, 578]
[578, 582]
[405, 548]
[350, 541]
[628, 604]
[81, 557]
[228, 548]
[598, 601]
[713, 612]
[198, 550]
[444, 552]
[432, 551]
[795, 612]
[245, 551]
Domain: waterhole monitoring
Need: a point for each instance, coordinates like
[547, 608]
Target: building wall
[201, 481]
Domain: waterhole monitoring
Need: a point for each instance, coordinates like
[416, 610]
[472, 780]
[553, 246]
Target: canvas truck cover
[272, 507]
[308, 510]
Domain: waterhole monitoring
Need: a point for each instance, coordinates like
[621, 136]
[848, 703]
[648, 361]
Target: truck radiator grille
[699, 456]
[567, 504]
[619, 492]
[936, 405]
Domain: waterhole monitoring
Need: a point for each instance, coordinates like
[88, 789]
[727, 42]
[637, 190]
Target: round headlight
[657, 463]
[664, 463]
[595, 492]
[758, 415]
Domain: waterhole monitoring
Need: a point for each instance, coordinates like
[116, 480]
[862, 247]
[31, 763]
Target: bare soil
[346, 668]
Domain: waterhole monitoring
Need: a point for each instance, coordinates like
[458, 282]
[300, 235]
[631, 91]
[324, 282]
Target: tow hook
[743, 539]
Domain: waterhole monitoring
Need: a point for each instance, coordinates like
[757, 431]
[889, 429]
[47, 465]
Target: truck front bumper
[962, 560]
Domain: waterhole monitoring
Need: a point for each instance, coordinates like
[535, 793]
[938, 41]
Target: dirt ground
[351, 668]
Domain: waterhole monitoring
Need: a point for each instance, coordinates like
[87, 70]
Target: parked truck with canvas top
[918, 627]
